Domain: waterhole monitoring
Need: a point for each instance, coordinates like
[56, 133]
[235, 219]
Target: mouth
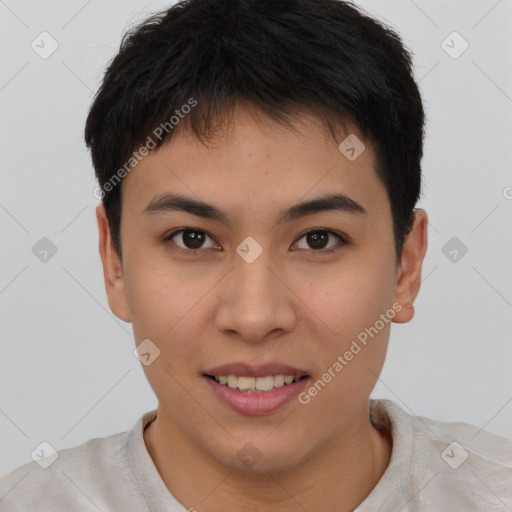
[253, 390]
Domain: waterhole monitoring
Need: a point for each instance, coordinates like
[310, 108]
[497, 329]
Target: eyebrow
[171, 202]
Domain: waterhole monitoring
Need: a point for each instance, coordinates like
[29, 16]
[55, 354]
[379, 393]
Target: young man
[259, 165]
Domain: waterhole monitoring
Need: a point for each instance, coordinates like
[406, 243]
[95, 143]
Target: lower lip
[256, 403]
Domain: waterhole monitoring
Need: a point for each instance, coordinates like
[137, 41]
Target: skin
[292, 305]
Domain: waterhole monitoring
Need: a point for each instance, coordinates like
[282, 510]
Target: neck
[337, 478]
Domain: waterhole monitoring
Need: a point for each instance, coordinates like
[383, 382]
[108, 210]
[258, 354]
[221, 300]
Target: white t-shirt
[434, 466]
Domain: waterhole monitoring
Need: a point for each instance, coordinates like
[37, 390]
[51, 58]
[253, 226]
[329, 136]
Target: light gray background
[67, 370]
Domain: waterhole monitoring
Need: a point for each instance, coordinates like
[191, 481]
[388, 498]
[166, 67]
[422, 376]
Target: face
[260, 293]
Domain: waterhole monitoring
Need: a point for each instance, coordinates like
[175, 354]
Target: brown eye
[318, 240]
[191, 239]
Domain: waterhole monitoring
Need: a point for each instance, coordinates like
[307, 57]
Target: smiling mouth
[256, 384]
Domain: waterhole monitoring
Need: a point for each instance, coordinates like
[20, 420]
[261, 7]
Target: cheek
[352, 335]
[166, 308]
[154, 291]
[348, 299]
[166, 311]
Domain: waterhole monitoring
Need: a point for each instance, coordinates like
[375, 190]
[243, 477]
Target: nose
[257, 302]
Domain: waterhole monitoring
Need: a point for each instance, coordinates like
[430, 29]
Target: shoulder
[458, 443]
[77, 477]
[447, 464]
[465, 440]
[472, 460]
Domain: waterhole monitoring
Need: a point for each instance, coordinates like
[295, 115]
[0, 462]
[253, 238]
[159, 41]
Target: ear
[409, 269]
[112, 268]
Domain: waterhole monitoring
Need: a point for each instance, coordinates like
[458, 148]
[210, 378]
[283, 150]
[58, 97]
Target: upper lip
[252, 370]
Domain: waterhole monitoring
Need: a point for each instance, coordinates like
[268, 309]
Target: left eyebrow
[176, 202]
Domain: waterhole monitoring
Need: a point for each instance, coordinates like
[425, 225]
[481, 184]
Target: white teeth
[255, 384]
[264, 383]
[278, 381]
[246, 383]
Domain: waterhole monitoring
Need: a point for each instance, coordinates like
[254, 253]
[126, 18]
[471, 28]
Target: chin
[260, 458]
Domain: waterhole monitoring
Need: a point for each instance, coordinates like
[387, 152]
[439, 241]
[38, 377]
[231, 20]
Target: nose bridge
[258, 300]
[253, 279]
[253, 275]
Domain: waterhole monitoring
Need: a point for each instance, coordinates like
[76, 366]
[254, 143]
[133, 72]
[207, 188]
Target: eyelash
[343, 239]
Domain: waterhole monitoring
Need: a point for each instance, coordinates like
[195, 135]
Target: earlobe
[112, 268]
[409, 272]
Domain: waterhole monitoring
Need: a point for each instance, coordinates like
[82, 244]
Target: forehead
[254, 164]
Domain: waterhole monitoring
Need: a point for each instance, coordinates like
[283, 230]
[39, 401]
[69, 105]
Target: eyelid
[344, 239]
